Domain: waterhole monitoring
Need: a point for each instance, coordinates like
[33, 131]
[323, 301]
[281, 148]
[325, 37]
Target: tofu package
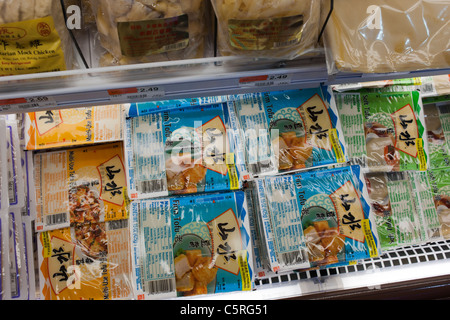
[290, 130]
[4, 197]
[439, 181]
[138, 31]
[78, 185]
[179, 151]
[191, 245]
[89, 261]
[283, 29]
[384, 131]
[380, 36]
[437, 123]
[316, 218]
[34, 38]
[73, 126]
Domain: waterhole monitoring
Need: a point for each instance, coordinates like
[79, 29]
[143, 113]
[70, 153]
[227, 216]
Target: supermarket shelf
[174, 79]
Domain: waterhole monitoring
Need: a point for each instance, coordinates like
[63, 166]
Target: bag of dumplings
[379, 36]
[33, 37]
[138, 31]
[283, 29]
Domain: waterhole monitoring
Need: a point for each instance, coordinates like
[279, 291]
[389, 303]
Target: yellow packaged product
[33, 37]
[267, 28]
[74, 126]
[80, 185]
[88, 261]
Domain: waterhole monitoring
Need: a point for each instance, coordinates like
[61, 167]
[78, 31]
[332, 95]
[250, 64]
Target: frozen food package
[437, 123]
[191, 245]
[16, 187]
[381, 36]
[17, 257]
[73, 126]
[384, 131]
[5, 271]
[289, 130]
[267, 29]
[76, 185]
[137, 31]
[317, 218]
[439, 180]
[398, 217]
[34, 37]
[89, 261]
[180, 151]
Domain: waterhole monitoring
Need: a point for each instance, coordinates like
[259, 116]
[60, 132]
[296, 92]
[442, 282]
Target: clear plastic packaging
[17, 256]
[78, 185]
[73, 126]
[267, 29]
[5, 271]
[4, 198]
[89, 261]
[35, 37]
[317, 218]
[289, 130]
[191, 245]
[384, 131]
[16, 189]
[381, 36]
[137, 31]
[182, 151]
[439, 180]
[437, 123]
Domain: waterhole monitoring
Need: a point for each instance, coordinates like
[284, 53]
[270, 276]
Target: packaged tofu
[4, 197]
[73, 126]
[191, 245]
[380, 36]
[77, 185]
[316, 218]
[437, 123]
[179, 151]
[17, 256]
[384, 131]
[5, 270]
[137, 31]
[87, 261]
[439, 180]
[271, 29]
[289, 130]
[16, 188]
[34, 37]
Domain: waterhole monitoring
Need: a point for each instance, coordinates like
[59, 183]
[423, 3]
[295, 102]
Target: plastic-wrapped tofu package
[180, 151]
[191, 245]
[317, 218]
[437, 123]
[77, 185]
[289, 130]
[87, 261]
[267, 29]
[384, 131]
[17, 256]
[34, 37]
[4, 198]
[5, 270]
[16, 189]
[439, 180]
[73, 126]
[381, 36]
[137, 31]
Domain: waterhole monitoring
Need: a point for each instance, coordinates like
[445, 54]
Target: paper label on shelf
[27, 103]
[265, 80]
[147, 92]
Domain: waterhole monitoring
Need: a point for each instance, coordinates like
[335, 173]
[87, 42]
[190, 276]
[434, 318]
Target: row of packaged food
[200, 196]
[358, 36]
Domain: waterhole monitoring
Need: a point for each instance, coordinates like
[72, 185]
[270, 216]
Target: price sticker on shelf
[136, 93]
[265, 80]
[39, 102]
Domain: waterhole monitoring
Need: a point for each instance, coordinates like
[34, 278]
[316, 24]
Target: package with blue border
[191, 245]
[317, 218]
[180, 151]
[289, 130]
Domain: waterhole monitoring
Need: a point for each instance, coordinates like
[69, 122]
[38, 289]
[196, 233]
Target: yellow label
[30, 46]
[46, 244]
[421, 155]
[245, 272]
[369, 238]
[352, 262]
[340, 158]
[232, 172]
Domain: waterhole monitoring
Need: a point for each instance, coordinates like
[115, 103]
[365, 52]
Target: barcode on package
[54, 219]
[117, 224]
[160, 286]
[151, 186]
[292, 258]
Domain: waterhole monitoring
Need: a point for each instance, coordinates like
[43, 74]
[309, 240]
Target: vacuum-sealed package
[34, 37]
[384, 131]
[136, 31]
[78, 185]
[17, 256]
[181, 151]
[191, 245]
[289, 130]
[439, 180]
[388, 36]
[15, 175]
[317, 218]
[4, 198]
[267, 29]
[437, 123]
[5, 271]
[89, 261]
[73, 126]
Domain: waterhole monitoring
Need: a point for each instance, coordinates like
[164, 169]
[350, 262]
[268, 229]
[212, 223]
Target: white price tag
[265, 80]
[136, 93]
[40, 102]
